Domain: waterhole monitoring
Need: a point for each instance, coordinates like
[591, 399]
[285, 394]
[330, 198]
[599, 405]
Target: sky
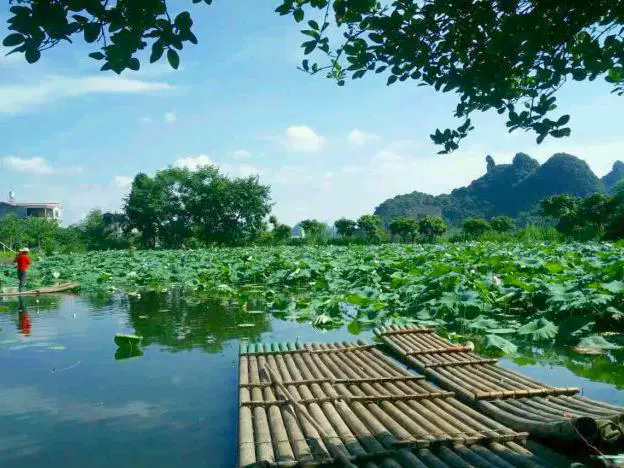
[72, 134]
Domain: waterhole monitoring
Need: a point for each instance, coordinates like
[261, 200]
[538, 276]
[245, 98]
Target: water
[69, 397]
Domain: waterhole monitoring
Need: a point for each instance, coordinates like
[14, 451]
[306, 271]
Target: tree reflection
[180, 322]
[605, 368]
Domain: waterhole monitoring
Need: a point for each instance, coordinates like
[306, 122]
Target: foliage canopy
[511, 56]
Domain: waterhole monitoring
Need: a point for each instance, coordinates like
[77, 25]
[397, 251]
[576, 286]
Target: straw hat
[25, 249]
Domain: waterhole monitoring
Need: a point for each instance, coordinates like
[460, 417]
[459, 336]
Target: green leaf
[96, 55]
[298, 15]
[92, 32]
[173, 58]
[540, 329]
[596, 342]
[616, 287]
[157, 51]
[554, 267]
[500, 343]
[13, 40]
[183, 20]
[481, 323]
[32, 54]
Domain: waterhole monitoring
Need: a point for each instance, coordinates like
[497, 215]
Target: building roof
[33, 205]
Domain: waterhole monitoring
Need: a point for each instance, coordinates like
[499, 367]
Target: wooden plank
[47, 290]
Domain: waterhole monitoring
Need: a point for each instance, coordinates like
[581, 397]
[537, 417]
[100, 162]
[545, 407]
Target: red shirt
[24, 323]
[23, 262]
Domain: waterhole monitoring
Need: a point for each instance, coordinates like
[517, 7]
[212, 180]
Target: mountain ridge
[506, 189]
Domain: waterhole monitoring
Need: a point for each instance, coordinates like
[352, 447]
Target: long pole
[6, 247]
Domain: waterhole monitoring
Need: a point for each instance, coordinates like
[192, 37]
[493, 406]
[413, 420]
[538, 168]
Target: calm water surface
[69, 397]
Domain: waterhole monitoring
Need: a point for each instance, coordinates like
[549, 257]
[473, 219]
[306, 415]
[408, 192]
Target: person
[25, 325]
[22, 260]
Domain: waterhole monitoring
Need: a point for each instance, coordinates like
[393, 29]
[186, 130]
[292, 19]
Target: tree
[103, 231]
[431, 227]
[345, 227]
[178, 205]
[280, 233]
[511, 56]
[405, 227]
[11, 231]
[502, 224]
[474, 227]
[41, 232]
[371, 228]
[558, 206]
[582, 218]
[140, 209]
[314, 230]
[615, 226]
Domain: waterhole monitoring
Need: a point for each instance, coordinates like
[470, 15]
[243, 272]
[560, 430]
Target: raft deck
[351, 405]
[46, 290]
[554, 413]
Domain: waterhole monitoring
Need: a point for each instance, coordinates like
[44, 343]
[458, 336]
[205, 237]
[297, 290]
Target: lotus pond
[506, 295]
[70, 397]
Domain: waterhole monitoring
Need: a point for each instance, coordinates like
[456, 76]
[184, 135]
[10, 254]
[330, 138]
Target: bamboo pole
[313, 439]
[262, 432]
[279, 434]
[439, 411]
[332, 440]
[301, 450]
[246, 444]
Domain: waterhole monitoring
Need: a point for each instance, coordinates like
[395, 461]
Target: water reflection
[127, 352]
[605, 368]
[180, 323]
[23, 319]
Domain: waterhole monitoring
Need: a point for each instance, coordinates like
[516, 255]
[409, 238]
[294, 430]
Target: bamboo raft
[47, 290]
[351, 405]
[553, 413]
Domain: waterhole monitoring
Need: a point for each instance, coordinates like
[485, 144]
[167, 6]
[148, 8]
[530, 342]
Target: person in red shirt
[23, 262]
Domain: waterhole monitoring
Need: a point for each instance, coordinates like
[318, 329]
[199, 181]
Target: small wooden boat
[46, 290]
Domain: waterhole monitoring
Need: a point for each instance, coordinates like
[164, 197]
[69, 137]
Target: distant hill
[506, 189]
[616, 175]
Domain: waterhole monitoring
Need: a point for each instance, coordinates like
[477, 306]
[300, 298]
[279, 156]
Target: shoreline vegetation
[506, 294]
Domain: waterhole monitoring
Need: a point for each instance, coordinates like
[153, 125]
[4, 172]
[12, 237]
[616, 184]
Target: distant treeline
[178, 208]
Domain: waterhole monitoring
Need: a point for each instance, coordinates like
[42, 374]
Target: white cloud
[146, 120]
[169, 117]
[193, 162]
[245, 171]
[240, 170]
[123, 181]
[357, 137]
[241, 154]
[23, 97]
[28, 165]
[38, 166]
[302, 139]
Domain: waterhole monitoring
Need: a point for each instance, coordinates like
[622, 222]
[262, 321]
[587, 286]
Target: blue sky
[72, 134]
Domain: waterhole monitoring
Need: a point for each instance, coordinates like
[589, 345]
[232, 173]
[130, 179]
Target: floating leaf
[596, 342]
[500, 343]
[540, 329]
